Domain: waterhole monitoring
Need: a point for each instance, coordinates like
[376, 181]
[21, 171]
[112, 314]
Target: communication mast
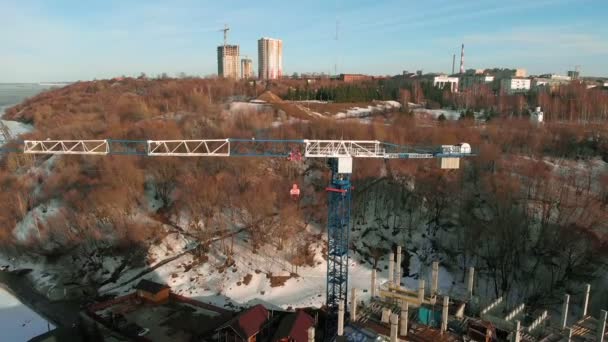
[462, 60]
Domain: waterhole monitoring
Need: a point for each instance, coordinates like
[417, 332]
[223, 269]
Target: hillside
[533, 201]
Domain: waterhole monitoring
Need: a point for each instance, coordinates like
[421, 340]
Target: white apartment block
[270, 58]
[443, 80]
[515, 85]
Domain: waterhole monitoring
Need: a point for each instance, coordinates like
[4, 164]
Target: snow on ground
[311, 101]
[15, 127]
[18, 128]
[29, 226]
[17, 321]
[290, 121]
[357, 112]
[212, 282]
[245, 107]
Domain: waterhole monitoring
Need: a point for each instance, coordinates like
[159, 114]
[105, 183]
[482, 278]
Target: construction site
[396, 313]
[393, 313]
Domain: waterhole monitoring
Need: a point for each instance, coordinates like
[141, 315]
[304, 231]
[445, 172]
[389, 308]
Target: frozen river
[17, 321]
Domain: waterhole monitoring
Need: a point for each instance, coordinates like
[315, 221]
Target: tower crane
[225, 30]
[339, 153]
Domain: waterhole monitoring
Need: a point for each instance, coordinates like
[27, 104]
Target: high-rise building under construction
[246, 68]
[228, 61]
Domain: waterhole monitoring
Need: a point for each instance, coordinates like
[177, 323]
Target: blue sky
[80, 40]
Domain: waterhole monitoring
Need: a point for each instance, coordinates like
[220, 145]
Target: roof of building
[294, 325]
[249, 322]
[150, 286]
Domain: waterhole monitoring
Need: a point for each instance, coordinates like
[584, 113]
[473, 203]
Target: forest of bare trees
[510, 200]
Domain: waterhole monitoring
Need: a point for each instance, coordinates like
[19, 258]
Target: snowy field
[357, 112]
[17, 321]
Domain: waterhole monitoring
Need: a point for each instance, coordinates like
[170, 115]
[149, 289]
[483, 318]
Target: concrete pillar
[444, 314]
[565, 311]
[470, 280]
[311, 334]
[586, 303]
[373, 285]
[353, 304]
[386, 313]
[391, 268]
[398, 267]
[435, 278]
[394, 326]
[601, 326]
[405, 308]
[517, 334]
[341, 318]
[421, 291]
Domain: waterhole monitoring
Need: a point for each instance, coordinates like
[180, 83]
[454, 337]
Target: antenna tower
[462, 60]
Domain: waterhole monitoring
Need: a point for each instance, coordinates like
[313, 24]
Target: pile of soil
[269, 97]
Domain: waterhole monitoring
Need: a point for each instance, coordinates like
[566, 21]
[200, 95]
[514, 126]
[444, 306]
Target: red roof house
[294, 327]
[245, 326]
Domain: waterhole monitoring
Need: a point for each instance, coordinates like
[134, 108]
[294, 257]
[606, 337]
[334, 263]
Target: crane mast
[339, 204]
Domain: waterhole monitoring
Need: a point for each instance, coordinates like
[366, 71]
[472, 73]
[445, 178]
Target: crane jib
[234, 147]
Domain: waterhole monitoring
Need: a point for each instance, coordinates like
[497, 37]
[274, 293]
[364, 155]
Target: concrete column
[601, 326]
[341, 318]
[353, 304]
[444, 314]
[421, 291]
[565, 311]
[586, 303]
[405, 308]
[311, 334]
[470, 280]
[435, 278]
[517, 337]
[386, 313]
[398, 267]
[391, 268]
[373, 287]
[394, 326]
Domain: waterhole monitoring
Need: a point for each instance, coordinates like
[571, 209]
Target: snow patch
[28, 226]
[357, 112]
[245, 107]
[18, 128]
